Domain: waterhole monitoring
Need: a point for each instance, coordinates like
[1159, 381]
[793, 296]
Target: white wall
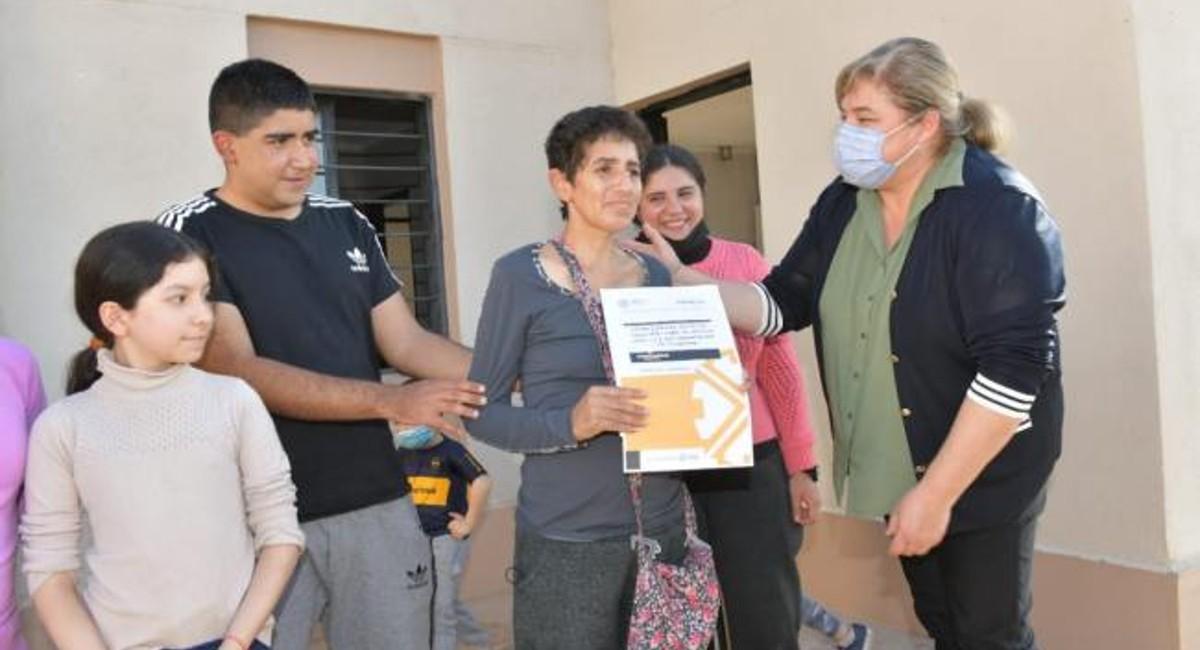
[731, 195]
[1068, 74]
[1169, 74]
[104, 116]
[500, 104]
[104, 120]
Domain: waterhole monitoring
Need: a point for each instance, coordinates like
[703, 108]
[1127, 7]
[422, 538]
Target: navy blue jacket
[973, 310]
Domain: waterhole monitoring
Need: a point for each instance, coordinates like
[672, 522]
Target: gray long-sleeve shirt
[534, 329]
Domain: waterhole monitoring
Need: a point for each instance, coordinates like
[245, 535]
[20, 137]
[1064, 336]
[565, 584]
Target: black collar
[691, 249]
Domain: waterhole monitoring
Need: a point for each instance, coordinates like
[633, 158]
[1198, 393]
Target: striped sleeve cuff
[772, 318]
[1001, 399]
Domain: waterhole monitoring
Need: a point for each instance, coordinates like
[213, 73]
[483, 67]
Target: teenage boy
[305, 305]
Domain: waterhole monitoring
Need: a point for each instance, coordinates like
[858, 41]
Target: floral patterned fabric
[675, 607]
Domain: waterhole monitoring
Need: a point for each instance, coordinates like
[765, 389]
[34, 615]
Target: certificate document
[675, 344]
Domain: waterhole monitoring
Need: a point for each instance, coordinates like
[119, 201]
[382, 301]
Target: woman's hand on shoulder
[555, 267]
[608, 408]
[658, 248]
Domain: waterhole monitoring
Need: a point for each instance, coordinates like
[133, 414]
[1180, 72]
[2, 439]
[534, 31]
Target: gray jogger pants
[368, 574]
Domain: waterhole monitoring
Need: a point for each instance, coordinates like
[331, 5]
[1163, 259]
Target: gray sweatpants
[368, 575]
[452, 620]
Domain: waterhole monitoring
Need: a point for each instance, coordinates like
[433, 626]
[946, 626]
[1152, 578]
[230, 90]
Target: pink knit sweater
[778, 401]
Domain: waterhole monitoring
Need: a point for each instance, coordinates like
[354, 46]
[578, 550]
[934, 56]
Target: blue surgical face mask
[858, 154]
[418, 437]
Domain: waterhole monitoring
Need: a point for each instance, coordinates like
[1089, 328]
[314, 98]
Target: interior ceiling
[726, 119]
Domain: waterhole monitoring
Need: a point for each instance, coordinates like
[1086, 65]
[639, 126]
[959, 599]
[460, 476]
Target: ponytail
[118, 265]
[984, 125]
[919, 78]
[83, 371]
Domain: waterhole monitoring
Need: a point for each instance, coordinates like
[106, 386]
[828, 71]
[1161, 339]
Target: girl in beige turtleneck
[177, 473]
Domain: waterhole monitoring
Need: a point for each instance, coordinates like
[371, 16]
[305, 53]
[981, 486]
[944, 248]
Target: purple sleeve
[35, 394]
[20, 367]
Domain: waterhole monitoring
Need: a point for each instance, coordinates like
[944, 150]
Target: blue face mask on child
[418, 437]
[858, 154]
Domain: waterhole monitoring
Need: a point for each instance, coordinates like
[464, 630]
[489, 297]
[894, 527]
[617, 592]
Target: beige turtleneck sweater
[180, 478]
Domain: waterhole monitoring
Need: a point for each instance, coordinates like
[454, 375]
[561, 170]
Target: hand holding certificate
[675, 344]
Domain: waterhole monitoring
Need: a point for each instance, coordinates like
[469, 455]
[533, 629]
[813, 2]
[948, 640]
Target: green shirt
[872, 467]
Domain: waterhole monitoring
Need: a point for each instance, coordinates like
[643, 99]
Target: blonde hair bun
[919, 78]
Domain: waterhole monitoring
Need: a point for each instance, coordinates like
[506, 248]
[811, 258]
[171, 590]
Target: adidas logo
[358, 261]
[418, 577]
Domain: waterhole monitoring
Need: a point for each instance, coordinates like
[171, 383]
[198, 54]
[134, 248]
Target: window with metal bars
[377, 152]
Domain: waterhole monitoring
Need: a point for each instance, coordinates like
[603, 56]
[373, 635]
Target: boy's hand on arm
[429, 401]
[295, 392]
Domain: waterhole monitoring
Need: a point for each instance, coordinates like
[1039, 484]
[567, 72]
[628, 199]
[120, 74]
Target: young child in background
[178, 473]
[450, 489]
[846, 636]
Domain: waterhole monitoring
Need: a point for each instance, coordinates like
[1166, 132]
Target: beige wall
[104, 116]
[1068, 74]
[731, 193]
[1169, 75]
[731, 198]
[104, 120]
[344, 58]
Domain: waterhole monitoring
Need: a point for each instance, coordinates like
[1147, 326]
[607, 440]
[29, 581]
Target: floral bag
[675, 607]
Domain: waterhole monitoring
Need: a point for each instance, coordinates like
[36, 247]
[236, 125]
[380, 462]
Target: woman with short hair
[574, 566]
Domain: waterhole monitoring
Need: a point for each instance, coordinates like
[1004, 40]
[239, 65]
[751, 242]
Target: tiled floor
[494, 615]
[881, 639]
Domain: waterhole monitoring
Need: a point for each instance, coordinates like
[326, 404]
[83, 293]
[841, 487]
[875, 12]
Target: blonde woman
[931, 273]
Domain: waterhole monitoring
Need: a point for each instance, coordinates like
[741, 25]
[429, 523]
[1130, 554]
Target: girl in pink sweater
[21, 399]
[753, 518]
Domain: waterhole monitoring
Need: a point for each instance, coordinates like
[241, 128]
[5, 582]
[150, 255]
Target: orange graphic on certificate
[702, 414]
[676, 344]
